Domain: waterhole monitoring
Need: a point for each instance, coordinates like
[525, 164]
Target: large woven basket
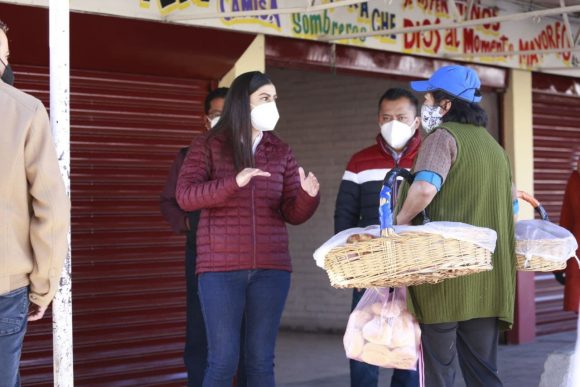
[397, 260]
[537, 263]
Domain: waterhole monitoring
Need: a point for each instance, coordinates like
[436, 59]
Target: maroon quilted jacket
[243, 228]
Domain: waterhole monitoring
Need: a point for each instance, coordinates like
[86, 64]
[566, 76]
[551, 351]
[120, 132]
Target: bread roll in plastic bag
[382, 332]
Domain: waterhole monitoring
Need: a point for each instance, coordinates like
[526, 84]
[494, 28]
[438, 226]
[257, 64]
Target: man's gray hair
[3, 26]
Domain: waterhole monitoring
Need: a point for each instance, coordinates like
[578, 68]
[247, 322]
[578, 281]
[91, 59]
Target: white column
[60, 122]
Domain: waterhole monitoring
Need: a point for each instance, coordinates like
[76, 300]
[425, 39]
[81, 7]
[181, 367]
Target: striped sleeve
[348, 207]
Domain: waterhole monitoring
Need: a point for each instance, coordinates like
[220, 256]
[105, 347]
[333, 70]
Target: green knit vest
[477, 191]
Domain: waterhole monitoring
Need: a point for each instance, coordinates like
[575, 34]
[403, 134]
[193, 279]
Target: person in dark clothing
[185, 223]
[357, 204]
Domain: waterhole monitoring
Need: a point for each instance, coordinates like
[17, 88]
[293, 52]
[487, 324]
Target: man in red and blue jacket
[357, 204]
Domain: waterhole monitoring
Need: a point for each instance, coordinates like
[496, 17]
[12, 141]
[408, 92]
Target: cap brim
[422, 86]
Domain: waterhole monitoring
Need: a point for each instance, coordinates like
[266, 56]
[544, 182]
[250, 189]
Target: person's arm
[194, 189]
[567, 221]
[515, 202]
[567, 213]
[297, 205]
[173, 214]
[437, 155]
[347, 208]
[420, 195]
[50, 220]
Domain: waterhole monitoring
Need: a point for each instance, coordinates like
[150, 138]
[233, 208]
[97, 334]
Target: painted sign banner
[471, 44]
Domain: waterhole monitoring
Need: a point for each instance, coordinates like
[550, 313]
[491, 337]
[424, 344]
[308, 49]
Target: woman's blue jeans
[226, 297]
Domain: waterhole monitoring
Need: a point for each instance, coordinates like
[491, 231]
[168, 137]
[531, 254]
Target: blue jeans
[226, 297]
[13, 319]
[366, 375]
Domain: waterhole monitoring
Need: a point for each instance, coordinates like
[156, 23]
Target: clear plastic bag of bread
[382, 332]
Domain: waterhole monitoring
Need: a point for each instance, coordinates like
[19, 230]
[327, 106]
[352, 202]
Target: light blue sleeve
[430, 177]
[516, 206]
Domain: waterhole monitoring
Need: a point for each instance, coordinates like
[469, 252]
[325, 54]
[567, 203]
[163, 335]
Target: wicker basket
[397, 260]
[537, 263]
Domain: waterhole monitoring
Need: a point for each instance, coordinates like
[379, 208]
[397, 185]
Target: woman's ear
[445, 106]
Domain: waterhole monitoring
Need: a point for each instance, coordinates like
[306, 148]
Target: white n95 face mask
[265, 116]
[397, 133]
[213, 122]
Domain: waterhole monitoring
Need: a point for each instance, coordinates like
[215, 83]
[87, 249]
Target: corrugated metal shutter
[556, 138]
[128, 269]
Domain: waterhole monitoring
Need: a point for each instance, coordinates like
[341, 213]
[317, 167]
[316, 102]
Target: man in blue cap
[462, 175]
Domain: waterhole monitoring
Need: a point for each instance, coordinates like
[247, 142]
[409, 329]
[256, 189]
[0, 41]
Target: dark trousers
[474, 342]
[366, 375]
[195, 354]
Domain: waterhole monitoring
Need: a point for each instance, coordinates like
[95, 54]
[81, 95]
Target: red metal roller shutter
[128, 272]
[556, 138]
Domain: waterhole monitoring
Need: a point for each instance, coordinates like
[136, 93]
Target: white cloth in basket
[531, 233]
[482, 237]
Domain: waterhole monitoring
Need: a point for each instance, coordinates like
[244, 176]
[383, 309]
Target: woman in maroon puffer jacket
[248, 185]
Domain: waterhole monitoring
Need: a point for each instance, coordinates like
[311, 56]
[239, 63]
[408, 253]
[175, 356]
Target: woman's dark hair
[236, 121]
[461, 111]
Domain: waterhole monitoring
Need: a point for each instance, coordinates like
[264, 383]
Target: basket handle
[534, 203]
[386, 204]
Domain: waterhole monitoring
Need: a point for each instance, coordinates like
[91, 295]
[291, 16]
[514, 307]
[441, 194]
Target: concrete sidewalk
[318, 360]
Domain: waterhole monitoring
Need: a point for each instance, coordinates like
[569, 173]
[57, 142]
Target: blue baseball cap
[459, 81]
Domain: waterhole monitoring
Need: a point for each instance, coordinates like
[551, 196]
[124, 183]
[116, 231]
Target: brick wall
[325, 118]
